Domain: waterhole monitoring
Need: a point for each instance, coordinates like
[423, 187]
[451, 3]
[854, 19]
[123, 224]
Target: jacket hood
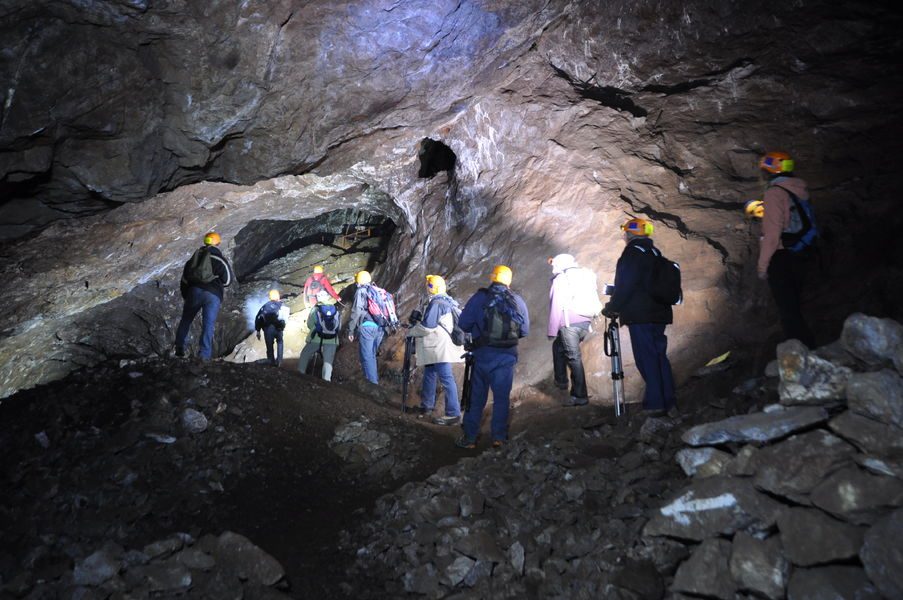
[562, 262]
[794, 184]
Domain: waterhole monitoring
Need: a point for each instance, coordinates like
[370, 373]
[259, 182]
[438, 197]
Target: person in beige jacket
[436, 351]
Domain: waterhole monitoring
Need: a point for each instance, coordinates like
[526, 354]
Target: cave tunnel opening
[270, 254]
[435, 157]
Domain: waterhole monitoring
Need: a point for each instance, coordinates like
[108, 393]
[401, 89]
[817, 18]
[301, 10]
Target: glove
[608, 312]
[258, 334]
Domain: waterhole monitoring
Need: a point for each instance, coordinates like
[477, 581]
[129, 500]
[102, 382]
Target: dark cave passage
[435, 157]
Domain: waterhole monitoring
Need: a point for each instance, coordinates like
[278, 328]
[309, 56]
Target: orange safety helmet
[212, 239]
[501, 274]
[776, 163]
[638, 226]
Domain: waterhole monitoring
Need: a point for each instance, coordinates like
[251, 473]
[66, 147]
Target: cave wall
[565, 118]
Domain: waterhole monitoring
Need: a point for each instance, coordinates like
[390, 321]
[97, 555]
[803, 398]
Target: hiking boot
[575, 401]
[466, 443]
[447, 420]
[498, 443]
[180, 352]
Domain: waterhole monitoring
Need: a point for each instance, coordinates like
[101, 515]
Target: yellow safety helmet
[638, 226]
[318, 269]
[362, 278]
[212, 239]
[501, 274]
[435, 284]
[274, 294]
[777, 163]
[754, 209]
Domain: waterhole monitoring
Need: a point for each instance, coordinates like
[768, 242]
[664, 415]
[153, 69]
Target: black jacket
[631, 300]
[221, 269]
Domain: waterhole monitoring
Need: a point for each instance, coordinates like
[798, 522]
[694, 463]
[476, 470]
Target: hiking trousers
[492, 370]
[443, 373]
[369, 339]
[566, 354]
[310, 349]
[272, 333]
[650, 352]
[785, 276]
[198, 299]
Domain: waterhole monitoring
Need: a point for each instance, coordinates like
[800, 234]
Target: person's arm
[556, 293]
[471, 319]
[221, 268]
[627, 279]
[525, 313]
[329, 289]
[357, 310]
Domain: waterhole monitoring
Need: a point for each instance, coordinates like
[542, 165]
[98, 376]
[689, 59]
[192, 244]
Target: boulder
[877, 342]
[706, 572]
[808, 379]
[702, 462]
[831, 583]
[239, 555]
[756, 427]
[758, 566]
[882, 554]
[857, 496]
[810, 537]
[877, 395]
[868, 434]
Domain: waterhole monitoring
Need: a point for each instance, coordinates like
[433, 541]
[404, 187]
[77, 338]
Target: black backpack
[328, 321]
[199, 268]
[458, 335]
[664, 279]
[502, 320]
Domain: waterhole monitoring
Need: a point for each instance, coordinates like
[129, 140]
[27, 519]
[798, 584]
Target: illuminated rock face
[563, 120]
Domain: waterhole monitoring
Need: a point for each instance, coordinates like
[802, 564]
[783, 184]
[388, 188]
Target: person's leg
[209, 311]
[571, 338]
[280, 343]
[664, 367]
[784, 281]
[479, 394]
[329, 351]
[501, 382]
[307, 353]
[559, 362]
[269, 335]
[189, 311]
[447, 377]
[428, 389]
[647, 362]
[367, 338]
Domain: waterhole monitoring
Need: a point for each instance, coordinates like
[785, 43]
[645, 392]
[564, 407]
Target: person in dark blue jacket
[205, 275]
[645, 317]
[496, 318]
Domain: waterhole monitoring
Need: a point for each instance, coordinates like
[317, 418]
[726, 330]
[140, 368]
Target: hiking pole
[409, 349]
[468, 376]
[613, 349]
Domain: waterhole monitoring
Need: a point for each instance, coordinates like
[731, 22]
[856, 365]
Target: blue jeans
[491, 370]
[650, 347]
[272, 333]
[368, 340]
[442, 372]
[199, 300]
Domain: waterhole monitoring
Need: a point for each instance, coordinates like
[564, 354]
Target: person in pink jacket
[788, 230]
[567, 328]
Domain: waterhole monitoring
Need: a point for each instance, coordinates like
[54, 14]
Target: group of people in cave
[486, 331]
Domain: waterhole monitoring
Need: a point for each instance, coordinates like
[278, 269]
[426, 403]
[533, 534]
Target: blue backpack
[802, 231]
[328, 321]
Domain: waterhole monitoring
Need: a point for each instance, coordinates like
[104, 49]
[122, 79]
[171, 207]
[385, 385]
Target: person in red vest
[316, 282]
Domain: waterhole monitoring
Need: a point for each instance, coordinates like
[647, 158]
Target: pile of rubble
[801, 499]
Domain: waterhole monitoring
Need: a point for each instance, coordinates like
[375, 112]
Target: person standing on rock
[271, 319]
[316, 283]
[372, 313]
[496, 318]
[204, 278]
[645, 317]
[437, 351]
[323, 324]
[571, 287]
[788, 232]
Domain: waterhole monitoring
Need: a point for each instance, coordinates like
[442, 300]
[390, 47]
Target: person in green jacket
[323, 322]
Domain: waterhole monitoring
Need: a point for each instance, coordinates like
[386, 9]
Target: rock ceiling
[155, 121]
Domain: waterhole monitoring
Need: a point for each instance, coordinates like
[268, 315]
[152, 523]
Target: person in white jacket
[436, 351]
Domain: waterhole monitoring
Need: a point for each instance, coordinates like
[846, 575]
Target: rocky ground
[165, 478]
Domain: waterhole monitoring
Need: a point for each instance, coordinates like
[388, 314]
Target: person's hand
[350, 338]
[608, 312]
[258, 335]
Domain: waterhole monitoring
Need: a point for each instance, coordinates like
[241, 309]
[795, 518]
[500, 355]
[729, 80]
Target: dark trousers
[566, 353]
[208, 304]
[273, 333]
[492, 370]
[785, 277]
[650, 352]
